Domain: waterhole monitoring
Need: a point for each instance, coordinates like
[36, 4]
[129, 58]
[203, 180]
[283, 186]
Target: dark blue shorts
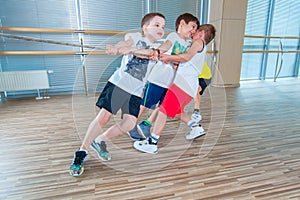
[153, 94]
[113, 98]
[203, 83]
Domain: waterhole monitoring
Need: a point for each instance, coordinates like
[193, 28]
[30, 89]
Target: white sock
[99, 139]
[83, 150]
[154, 137]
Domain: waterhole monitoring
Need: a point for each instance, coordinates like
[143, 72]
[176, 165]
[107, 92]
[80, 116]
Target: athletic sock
[83, 150]
[147, 122]
[99, 139]
[196, 110]
[154, 138]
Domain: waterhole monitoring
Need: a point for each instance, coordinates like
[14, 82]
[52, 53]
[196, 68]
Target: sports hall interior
[250, 110]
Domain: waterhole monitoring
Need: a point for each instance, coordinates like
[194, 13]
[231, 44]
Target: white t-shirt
[187, 73]
[133, 72]
[163, 74]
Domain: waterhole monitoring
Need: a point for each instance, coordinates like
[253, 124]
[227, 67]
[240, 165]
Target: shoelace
[196, 125]
[103, 146]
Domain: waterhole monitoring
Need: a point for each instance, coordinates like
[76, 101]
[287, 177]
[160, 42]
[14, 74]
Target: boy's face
[155, 30]
[198, 34]
[187, 29]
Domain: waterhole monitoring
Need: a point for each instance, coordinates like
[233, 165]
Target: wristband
[158, 53]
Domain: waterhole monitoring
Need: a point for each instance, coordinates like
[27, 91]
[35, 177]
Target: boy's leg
[197, 114]
[99, 145]
[95, 128]
[126, 124]
[134, 134]
[196, 128]
[170, 102]
[142, 109]
[109, 105]
[153, 94]
[153, 116]
[149, 145]
[130, 108]
[197, 99]
[144, 127]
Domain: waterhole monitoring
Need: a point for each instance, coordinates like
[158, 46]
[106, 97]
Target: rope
[48, 41]
[56, 42]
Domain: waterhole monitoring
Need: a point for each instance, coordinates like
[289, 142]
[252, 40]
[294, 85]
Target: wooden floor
[251, 150]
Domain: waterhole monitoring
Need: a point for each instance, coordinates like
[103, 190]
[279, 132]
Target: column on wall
[228, 16]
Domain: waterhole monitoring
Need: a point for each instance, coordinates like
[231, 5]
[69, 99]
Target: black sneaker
[76, 168]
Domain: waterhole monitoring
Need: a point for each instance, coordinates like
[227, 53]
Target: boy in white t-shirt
[122, 91]
[182, 91]
[162, 74]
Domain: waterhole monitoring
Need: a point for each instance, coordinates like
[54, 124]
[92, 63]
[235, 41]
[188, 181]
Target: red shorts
[175, 101]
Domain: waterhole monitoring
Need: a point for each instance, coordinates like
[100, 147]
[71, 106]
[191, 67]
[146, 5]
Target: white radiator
[24, 80]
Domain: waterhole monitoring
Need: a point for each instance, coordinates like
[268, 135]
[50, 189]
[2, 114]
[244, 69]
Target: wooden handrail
[52, 30]
[107, 32]
[271, 51]
[35, 53]
[274, 37]
[43, 53]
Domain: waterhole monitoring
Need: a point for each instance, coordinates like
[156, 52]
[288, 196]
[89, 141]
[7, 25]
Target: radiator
[24, 80]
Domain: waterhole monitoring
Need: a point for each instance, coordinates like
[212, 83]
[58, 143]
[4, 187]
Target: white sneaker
[196, 131]
[196, 117]
[146, 146]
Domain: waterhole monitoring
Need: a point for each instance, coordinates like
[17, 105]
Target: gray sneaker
[135, 135]
[101, 150]
[144, 129]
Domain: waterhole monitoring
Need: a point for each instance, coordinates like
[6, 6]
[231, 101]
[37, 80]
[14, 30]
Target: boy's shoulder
[173, 34]
[133, 35]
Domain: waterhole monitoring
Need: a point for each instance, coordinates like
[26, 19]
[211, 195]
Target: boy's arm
[197, 45]
[125, 47]
[120, 47]
[152, 53]
[165, 46]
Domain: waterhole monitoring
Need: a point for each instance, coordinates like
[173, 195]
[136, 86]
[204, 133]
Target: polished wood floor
[251, 150]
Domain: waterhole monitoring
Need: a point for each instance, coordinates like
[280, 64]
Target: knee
[103, 118]
[127, 124]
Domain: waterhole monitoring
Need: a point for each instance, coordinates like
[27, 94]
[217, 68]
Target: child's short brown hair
[187, 17]
[209, 30]
[146, 19]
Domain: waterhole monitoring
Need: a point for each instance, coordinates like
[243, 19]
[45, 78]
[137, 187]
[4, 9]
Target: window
[271, 18]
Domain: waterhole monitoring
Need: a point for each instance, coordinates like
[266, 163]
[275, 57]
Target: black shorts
[113, 99]
[203, 83]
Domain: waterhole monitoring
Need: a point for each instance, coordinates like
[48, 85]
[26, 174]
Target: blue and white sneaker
[146, 146]
[144, 129]
[196, 131]
[135, 135]
[196, 117]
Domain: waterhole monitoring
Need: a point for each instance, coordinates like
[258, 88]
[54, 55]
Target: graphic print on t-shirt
[137, 67]
[178, 48]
